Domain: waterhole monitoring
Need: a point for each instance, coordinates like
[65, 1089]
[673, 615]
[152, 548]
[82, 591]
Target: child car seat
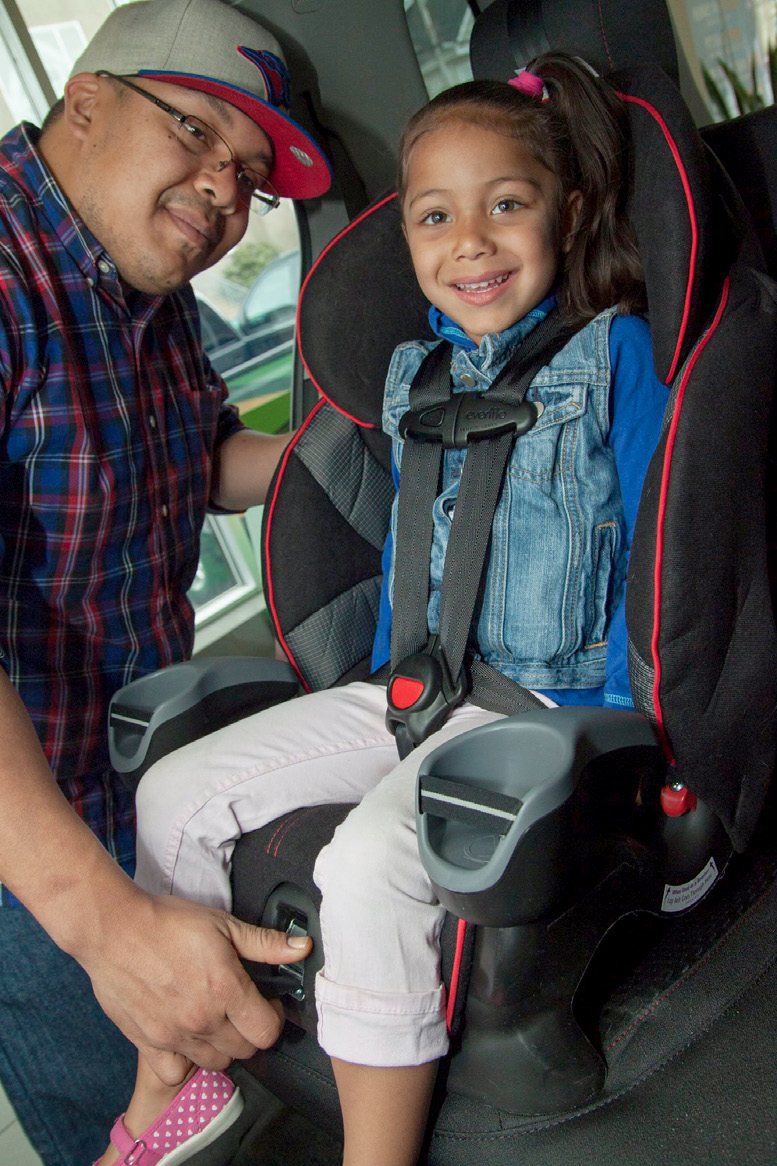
[703, 637]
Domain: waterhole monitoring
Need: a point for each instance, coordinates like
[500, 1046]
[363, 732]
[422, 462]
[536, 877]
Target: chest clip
[466, 417]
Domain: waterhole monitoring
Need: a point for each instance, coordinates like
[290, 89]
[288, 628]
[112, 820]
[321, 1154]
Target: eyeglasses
[205, 144]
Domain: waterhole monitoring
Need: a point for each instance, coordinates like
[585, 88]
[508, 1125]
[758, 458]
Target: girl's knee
[372, 859]
[162, 789]
[357, 862]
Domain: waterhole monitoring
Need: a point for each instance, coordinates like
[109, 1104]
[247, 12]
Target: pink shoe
[205, 1106]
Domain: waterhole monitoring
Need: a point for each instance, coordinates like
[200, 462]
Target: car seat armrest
[158, 713]
[520, 817]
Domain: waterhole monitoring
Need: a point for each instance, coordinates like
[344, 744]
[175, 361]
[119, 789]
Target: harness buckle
[467, 417]
[421, 694]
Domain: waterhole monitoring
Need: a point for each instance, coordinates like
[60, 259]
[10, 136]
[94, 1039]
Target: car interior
[611, 952]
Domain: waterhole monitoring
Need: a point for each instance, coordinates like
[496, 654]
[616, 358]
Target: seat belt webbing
[467, 551]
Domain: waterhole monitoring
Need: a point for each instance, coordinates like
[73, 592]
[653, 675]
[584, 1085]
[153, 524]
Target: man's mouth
[198, 231]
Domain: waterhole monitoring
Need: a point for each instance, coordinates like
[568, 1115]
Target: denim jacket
[558, 554]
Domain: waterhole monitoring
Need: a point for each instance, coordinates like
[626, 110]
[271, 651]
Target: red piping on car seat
[659, 560]
[268, 585]
[461, 931]
[691, 215]
[329, 246]
[610, 61]
[280, 832]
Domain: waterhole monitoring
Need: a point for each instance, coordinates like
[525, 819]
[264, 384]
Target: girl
[513, 202]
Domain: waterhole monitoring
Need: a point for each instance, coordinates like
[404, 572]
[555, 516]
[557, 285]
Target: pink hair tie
[530, 84]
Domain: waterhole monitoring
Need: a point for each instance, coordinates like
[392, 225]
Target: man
[115, 439]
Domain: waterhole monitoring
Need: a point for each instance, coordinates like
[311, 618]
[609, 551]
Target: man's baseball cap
[210, 46]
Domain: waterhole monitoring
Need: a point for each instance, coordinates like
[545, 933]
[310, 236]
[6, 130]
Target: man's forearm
[243, 467]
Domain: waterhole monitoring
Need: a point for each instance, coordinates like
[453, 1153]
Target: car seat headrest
[361, 298]
[359, 301]
[509, 33]
[685, 241]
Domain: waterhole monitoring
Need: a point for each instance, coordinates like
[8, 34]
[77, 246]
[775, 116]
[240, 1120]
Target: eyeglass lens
[202, 140]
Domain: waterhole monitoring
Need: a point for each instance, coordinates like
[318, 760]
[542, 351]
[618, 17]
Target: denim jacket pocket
[548, 447]
[604, 548]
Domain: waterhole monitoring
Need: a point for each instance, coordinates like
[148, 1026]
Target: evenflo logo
[492, 414]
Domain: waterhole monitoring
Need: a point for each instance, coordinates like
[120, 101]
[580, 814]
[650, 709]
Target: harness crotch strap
[430, 675]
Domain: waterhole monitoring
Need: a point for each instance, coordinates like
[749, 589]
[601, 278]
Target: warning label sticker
[686, 894]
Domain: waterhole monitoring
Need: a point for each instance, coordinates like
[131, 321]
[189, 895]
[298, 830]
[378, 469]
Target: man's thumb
[265, 946]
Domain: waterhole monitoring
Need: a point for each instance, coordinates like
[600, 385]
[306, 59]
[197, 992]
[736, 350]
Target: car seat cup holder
[545, 829]
[513, 817]
[166, 709]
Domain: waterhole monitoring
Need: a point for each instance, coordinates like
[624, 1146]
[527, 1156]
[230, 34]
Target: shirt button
[468, 380]
[152, 420]
[104, 266]
[165, 510]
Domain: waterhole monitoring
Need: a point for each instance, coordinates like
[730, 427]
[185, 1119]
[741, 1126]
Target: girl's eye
[505, 205]
[434, 218]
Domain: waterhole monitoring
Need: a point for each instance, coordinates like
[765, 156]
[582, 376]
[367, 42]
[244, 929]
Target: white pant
[380, 998]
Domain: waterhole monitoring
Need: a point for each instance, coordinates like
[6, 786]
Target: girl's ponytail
[602, 265]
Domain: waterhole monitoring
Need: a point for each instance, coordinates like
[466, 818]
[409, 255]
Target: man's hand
[166, 971]
[169, 975]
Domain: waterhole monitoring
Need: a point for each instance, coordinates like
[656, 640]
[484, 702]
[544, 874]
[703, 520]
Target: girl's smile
[483, 222]
[486, 289]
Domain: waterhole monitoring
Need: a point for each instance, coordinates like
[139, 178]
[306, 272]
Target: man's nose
[218, 183]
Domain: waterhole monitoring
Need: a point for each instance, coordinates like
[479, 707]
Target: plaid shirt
[110, 416]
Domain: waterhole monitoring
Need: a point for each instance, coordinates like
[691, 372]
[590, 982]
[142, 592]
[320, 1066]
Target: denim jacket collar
[495, 347]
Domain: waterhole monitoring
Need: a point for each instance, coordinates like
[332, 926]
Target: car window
[440, 32]
[274, 291]
[248, 304]
[215, 330]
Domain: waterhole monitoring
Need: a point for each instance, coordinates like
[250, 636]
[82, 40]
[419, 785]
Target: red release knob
[405, 691]
[675, 802]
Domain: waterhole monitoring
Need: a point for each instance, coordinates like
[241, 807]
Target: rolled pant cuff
[382, 1029]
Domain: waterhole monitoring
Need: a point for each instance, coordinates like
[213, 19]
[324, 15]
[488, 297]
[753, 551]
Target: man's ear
[570, 219]
[81, 94]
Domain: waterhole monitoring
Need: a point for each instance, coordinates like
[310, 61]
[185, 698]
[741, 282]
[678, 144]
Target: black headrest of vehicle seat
[606, 33]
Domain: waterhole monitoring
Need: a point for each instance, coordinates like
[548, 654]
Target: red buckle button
[675, 802]
[405, 691]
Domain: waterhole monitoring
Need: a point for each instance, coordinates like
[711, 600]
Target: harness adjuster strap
[467, 417]
[421, 694]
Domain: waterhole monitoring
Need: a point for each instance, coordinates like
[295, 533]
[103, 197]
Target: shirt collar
[494, 346]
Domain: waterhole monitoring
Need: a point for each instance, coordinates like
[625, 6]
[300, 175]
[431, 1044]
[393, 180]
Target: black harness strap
[428, 674]
[421, 465]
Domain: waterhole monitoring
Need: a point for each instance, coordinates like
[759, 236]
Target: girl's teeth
[481, 286]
